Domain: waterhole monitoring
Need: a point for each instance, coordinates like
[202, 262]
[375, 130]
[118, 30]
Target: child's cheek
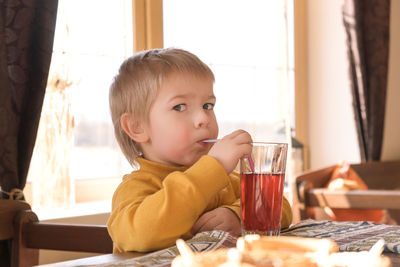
[184, 135]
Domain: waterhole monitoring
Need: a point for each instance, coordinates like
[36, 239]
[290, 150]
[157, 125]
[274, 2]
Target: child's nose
[201, 119]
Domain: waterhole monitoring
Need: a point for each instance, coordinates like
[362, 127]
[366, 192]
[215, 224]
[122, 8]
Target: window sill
[92, 197]
[76, 213]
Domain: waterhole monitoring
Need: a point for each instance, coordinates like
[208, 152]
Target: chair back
[382, 179]
[8, 210]
[27, 234]
[380, 175]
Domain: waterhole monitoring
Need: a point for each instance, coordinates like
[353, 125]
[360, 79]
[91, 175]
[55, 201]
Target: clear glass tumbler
[262, 179]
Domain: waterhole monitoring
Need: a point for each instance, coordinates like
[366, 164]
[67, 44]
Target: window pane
[245, 44]
[88, 50]
[95, 46]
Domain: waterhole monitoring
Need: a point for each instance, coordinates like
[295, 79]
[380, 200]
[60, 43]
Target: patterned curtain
[367, 28]
[26, 44]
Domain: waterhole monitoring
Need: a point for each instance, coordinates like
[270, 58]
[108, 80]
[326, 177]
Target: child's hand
[218, 219]
[231, 148]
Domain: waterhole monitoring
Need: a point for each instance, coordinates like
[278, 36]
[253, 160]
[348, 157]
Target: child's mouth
[204, 142]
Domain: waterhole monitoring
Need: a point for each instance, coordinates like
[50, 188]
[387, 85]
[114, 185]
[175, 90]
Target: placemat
[203, 241]
[350, 236]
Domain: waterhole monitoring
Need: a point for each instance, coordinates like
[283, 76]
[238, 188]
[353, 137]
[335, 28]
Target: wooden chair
[382, 179]
[29, 235]
[8, 210]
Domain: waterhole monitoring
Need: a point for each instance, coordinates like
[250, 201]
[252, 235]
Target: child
[161, 105]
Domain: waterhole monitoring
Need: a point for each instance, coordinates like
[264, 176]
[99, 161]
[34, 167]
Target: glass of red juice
[262, 177]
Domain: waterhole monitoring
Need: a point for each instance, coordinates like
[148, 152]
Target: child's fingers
[212, 225]
[243, 138]
[197, 225]
[235, 134]
[239, 137]
[245, 149]
[203, 219]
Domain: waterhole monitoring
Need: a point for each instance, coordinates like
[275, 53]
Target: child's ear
[134, 128]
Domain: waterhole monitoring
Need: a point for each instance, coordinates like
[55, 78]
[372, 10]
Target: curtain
[26, 44]
[367, 28]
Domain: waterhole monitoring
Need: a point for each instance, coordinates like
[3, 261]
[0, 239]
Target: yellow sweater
[158, 204]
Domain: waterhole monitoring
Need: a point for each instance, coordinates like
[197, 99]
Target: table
[350, 236]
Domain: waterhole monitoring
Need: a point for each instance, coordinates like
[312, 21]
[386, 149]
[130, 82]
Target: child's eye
[208, 106]
[180, 107]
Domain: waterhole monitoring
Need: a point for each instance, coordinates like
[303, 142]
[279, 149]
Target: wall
[332, 133]
[331, 119]
[391, 139]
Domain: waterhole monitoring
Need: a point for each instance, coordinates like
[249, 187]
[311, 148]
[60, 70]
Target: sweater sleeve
[150, 214]
[235, 182]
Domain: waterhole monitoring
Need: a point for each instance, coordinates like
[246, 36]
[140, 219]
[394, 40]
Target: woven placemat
[204, 241]
[350, 236]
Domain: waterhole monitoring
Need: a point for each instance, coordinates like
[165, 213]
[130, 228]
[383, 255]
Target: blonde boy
[161, 104]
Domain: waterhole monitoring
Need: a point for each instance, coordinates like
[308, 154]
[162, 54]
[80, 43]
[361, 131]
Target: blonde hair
[135, 87]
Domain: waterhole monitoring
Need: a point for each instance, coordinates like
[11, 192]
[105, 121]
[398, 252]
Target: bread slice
[255, 250]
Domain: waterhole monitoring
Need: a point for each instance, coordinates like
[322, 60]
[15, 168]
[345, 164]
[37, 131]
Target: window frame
[301, 77]
[148, 34]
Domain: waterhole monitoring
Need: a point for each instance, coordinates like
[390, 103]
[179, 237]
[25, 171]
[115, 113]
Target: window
[75, 138]
[248, 44]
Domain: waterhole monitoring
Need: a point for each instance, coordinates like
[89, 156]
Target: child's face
[180, 117]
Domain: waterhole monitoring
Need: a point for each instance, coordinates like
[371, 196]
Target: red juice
[261, 202]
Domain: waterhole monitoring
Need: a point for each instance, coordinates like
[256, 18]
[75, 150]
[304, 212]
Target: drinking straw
[249, 158]
[251, 162]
